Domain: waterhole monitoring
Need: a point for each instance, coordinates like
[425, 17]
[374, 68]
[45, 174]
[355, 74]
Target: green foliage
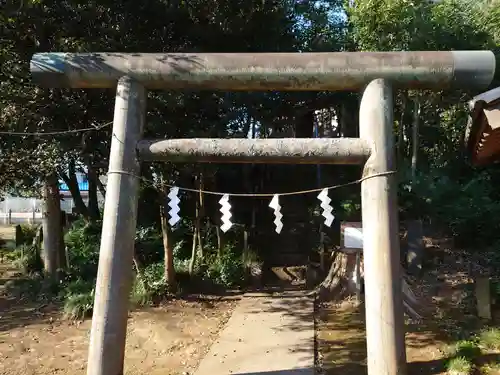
[462, 207]
[420, 25]
[490, 339]
[467, 349]
[251, 257]
[27, 259]
[76, 287]
[227, 269]
[25, 234]
[459, 366]
[181, 250]
[446, 192]
[83, 241]
[79, 306]
[492, 368]
[148, 244]
[150, 286]
[33, 287]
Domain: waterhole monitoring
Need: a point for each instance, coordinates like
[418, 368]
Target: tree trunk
[199, 214]
[138, 270]
[216, 221]
[72, 182]
[197, 230]
[169, 270]
[219, 240]
[348, 116]
[415, 131]
[93, 207]
[401, 132]
[340, 281]
[192, 262]
[245, 243]
[63, 259]
[53, 246]
[100, 186]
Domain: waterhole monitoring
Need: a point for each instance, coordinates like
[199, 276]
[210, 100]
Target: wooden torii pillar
[374, 72]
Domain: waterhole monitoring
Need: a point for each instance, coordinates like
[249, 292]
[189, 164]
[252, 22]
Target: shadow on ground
[341, 341]
[15, 313]
[298, 371]
[289, 301]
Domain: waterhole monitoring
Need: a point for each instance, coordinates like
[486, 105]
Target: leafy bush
[227, 269]
[79, 306]
[154, 278]
[459, 366]
[181, 251]
[25, 234]
[34, 287]
[151, 286]
[182, 265]
[27, 259]
[148, 245]
[490, 339]
[464, 208]
[467, 349]
[83, 241]
[78, 286]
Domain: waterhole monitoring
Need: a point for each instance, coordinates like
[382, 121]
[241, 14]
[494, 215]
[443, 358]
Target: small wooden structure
[482, 286]
[352, 245]
[483, 130]
[483, 143]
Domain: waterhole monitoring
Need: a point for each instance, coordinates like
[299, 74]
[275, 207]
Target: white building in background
[19, 210]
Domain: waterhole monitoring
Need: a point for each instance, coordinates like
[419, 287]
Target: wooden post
[19, 235]
[358, 276]
[415, 246]
[112, 292]
[52, 230]
[483, 297]
[383, 298]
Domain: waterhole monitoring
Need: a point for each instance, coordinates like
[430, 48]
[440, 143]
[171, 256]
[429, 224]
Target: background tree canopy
[437, 183]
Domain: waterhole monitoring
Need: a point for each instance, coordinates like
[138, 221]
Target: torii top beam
[336, 71]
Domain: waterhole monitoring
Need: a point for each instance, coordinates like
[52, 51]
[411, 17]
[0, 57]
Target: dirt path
[167, 340]
[268, 333]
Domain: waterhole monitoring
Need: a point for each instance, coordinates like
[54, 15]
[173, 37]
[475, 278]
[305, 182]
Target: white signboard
[352, 234]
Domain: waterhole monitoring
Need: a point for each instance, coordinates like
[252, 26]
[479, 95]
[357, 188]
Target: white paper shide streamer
[275, 205]
[174, 206]
[327, 208]
[225, 209]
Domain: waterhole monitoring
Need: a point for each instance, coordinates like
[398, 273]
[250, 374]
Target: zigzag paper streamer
[174, 206]
[327, 208]
[275, 205]
[226, 213]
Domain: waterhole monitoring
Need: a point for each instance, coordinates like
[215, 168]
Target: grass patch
[79, 306]
[459, 366]
[490, 339]
[467, 349]
[492, 368]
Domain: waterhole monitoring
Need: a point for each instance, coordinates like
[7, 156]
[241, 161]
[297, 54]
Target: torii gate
[374, 72]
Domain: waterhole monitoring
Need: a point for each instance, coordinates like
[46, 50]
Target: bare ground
[445, 293]
[166, 340]
[342, 343]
